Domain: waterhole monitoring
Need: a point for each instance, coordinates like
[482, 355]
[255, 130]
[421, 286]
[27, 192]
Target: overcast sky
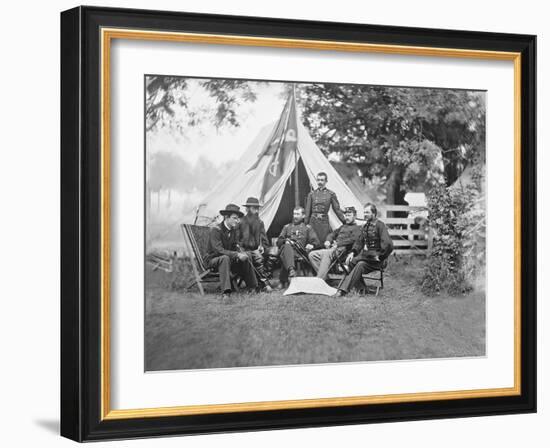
[225, 144]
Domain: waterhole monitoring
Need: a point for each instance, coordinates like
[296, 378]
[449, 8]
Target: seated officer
[302, 235]
[369, 252]
[337, 243]
[223, 253]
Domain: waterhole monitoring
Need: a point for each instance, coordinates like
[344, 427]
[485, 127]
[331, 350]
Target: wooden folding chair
[366, 277]
[195, 239]
[378, 278]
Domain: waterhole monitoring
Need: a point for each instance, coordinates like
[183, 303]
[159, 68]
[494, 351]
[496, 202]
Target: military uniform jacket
[318, 205]
[301, 233]
[222, 241]
[345, 235]
[374, 239]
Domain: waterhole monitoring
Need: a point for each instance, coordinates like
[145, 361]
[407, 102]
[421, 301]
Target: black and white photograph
[270, 224]
[292, 223]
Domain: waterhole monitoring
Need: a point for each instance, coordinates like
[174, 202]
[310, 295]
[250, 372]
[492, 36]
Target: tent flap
[242, 182]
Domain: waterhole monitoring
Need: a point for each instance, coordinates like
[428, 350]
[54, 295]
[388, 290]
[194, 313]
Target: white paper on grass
[309, 285]
[133, 388]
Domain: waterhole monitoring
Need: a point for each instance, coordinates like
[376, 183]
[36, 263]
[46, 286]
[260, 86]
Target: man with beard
[253, 239]
[299, 233]
[369, 252]
[318, 205]
[337, 243]
[223, 253]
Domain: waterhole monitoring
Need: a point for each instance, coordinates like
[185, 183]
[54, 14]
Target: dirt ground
[184, 330]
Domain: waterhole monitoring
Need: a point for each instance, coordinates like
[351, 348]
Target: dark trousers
[360, 265]
[258, 261]
[321, 227]
[287, 255]
[224, 265]
[288, 260]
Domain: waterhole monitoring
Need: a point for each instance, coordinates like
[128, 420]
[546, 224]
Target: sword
[300, 250]
[263, 278]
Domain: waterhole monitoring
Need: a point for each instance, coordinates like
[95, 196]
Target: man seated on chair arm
[223, 253]
[369, 252]
[337, 243]
[295, 237]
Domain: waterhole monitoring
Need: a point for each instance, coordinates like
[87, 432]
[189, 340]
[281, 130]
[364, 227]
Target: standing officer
[299, 233]
[223, 253]
[318, 205]
[370, 251]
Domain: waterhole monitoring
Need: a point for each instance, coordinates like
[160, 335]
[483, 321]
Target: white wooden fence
[410, 235]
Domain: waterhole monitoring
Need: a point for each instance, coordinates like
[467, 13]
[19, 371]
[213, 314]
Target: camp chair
[195, 239]
[377, 278]
[376, 275]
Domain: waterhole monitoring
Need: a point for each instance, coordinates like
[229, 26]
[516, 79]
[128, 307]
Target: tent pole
[296, 184]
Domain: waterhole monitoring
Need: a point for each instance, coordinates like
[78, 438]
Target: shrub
[457, 218]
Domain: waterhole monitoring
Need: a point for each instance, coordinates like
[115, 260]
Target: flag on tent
[246, 177]
[280, 146]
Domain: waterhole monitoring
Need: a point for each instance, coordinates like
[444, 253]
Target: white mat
[309, 285]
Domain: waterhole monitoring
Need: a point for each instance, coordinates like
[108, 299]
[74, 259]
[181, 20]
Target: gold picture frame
[118, 25]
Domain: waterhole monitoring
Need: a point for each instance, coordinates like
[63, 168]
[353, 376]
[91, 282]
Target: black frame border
[81, 223]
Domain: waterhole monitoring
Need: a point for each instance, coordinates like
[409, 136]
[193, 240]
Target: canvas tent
[298, 160]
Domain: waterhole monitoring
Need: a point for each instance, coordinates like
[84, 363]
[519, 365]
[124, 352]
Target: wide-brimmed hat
[252, 202]
[230, 209]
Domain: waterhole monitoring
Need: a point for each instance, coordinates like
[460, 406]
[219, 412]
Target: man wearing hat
[318, 205]
[337, 243]
[369, 252]
[253, 238]
[223, 253]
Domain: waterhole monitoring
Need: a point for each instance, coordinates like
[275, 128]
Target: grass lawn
[184, 330]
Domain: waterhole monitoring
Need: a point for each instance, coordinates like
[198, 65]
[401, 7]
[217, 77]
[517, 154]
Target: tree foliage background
[411, 138]
[404, 138]
[164, 95]
[399, 138]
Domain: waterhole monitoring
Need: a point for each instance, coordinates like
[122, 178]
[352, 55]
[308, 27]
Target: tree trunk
[451, 172]
[394, 194]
